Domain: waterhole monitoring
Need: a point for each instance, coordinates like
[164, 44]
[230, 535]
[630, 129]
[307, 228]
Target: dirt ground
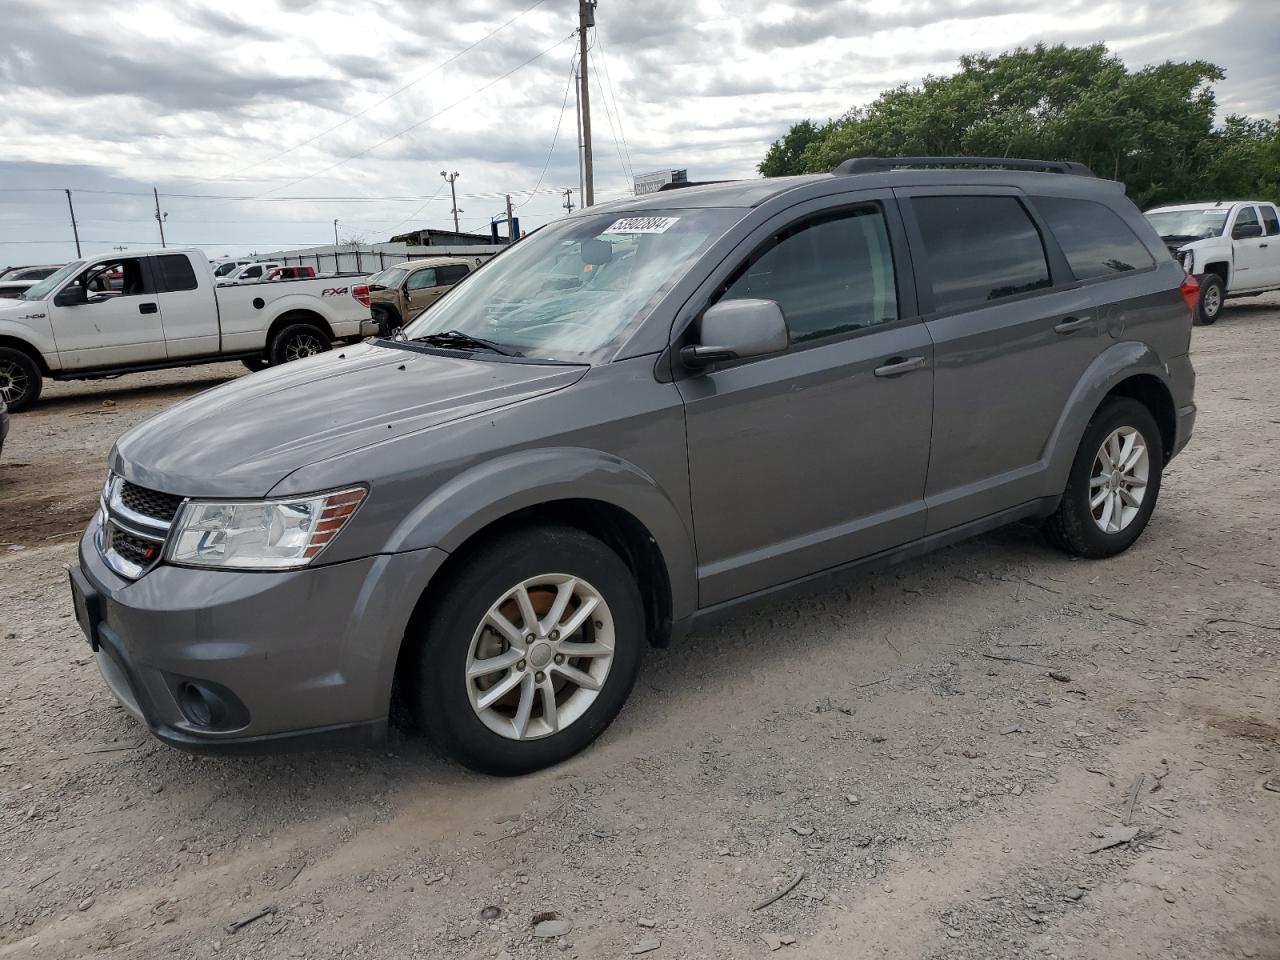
[937, 752]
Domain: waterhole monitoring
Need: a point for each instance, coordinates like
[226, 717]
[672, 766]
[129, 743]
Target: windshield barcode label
[642, 225]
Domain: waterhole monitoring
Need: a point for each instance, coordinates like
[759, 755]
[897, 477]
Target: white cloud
[200, 98]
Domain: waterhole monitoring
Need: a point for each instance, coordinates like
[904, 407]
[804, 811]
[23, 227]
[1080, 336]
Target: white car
[1232, 247]
[253, 272]
[113, 314]
[223, 269]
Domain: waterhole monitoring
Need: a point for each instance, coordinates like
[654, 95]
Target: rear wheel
[296, 341]
[20, 380]
[530, 651]
[1113, 484]
[1212, 295]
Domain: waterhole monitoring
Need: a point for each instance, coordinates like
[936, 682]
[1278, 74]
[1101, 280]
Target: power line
[395, 93]
[221, 196]
[424, 120]
[573, 61]
[612, 96]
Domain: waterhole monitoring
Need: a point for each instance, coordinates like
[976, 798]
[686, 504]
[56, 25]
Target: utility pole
[568, 198]
[74, 229]
[586, 20]
[511, 224]
[160, 220]
[577, 115]
[453, 192]
[335, 237]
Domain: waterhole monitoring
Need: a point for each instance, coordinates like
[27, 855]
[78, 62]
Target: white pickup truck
[125, 313]
[1232, 247]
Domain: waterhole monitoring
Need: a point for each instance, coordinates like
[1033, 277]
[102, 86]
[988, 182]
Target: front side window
[1270, 220]
[979, 250]
[251, 273]
[124, 278]
[578, 287]
[422, 279]
[1095, 241]
[1244, 218]
[829, 276]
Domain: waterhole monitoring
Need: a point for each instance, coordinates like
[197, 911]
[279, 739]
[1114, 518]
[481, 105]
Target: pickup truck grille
[135, 526]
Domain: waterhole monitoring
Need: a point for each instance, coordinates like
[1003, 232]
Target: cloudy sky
[235, 110]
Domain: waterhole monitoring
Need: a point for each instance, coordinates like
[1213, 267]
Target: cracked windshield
[572, 290]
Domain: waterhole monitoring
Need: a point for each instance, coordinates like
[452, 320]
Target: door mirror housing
[1246, 231]
[72, 295]
[736, 330]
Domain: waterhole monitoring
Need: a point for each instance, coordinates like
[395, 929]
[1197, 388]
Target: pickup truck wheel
[20, 380]
[1212, 294]
[1113, 484]
[296, 341]
[529, 652]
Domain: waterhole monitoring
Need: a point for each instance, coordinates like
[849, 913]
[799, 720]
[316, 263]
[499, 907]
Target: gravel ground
[936, 752]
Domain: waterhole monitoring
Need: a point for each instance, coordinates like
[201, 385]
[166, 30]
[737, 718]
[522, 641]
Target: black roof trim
[877, 164]
[681, 184]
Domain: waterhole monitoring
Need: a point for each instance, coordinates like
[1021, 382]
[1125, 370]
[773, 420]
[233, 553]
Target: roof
[1202, 205]
[440, 261]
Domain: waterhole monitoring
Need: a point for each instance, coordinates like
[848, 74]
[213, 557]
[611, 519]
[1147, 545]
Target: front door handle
[897, 366]
[1070, 324]
[147, 308]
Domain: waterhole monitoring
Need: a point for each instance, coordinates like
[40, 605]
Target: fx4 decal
[334, 291]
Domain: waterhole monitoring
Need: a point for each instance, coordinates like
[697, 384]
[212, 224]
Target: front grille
[135, 526]
[149, 503]
[137, 550]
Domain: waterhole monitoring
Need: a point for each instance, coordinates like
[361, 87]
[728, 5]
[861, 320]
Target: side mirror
[737, 329]
[72, 295]
[1246, 231]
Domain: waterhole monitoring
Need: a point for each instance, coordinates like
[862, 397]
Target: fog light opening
[202, 707]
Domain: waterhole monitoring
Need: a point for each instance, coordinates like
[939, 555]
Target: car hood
[242, 438]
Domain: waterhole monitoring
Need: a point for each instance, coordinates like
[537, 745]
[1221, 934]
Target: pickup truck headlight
[260, 534]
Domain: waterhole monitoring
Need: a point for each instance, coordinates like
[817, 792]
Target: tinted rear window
[979, 249]
[1270, 220]
[451, 273]
[1096, 242]
[174, 273]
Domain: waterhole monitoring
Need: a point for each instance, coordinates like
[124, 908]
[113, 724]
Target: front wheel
[1113, 484]
[296, 341]
[20, 380]
[529, 652]
[1212, 295]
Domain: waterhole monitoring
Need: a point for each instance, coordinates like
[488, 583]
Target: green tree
[1152, 128]
[783, 158]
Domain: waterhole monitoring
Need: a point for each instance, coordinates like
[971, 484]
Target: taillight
[361, 292]
[1190, 291]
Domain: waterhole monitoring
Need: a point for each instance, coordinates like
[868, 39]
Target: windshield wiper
[456, 338]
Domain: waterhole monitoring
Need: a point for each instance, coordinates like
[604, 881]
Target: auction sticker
[642, 225]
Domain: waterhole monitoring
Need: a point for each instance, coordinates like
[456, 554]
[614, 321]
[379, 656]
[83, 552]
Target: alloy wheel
[1212, 301]
[303, 345]
[540, 656]
[14, 381]
[1118, 480]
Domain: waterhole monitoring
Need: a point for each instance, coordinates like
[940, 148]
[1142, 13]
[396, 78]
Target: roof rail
[681, 184]
[873, 164]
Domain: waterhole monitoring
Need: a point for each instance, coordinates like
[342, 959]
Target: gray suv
[640, 416]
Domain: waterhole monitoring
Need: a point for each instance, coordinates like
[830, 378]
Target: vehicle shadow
[92, 393]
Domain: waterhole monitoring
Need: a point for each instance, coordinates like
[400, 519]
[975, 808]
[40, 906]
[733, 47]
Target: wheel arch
[22, 346]
[298, 315]
[1130, 369]
[1221, 269]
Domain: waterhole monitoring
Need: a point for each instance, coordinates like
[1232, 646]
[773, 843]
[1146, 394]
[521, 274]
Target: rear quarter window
[1095, 241]
[174, 273]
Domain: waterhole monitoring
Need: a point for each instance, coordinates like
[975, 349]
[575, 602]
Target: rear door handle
[1071, 323]
[148, 308]
[897, 366]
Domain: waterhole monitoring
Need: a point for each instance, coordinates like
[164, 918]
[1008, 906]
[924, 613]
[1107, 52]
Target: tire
[254, 364]
[20, 379]
[296, 341]
[1075, 526]
[448, 704]
[1212, 295]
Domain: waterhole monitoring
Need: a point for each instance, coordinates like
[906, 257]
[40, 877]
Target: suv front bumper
[303, 658]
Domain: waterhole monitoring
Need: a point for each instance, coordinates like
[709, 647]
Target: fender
[1116, 364]
[488, 492]
[33, 330]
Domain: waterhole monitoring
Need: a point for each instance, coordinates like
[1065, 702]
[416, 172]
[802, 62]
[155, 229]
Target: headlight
[259, 534]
